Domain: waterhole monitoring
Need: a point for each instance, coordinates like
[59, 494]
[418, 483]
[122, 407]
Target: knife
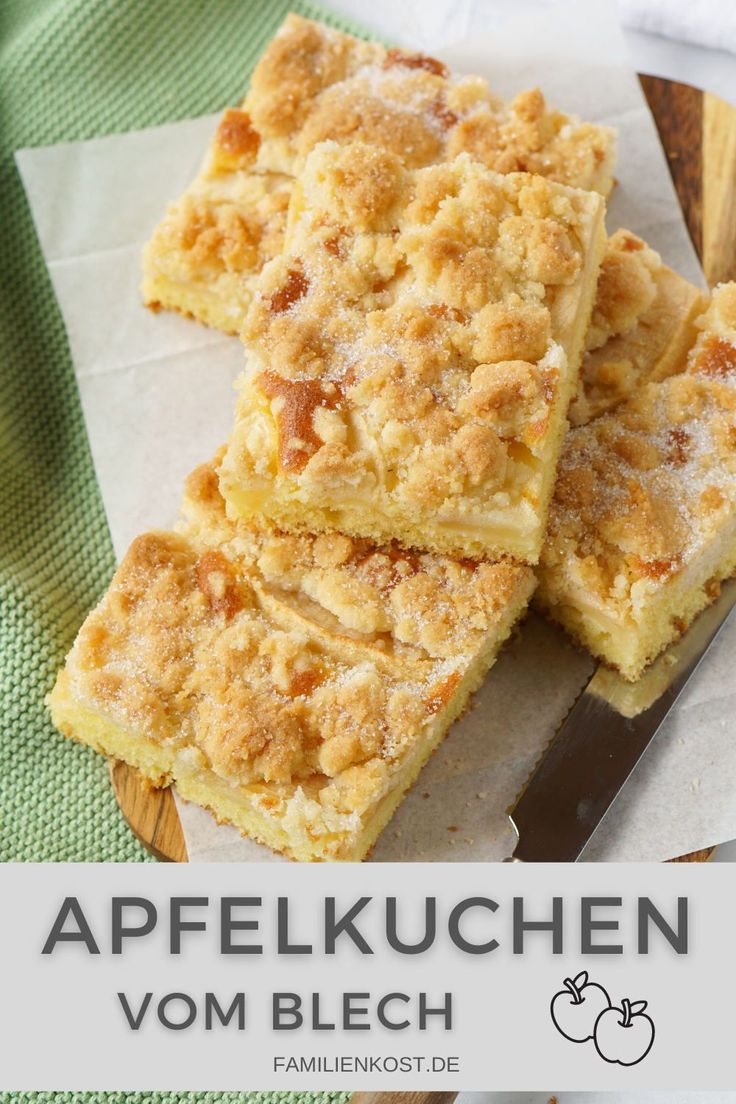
[600, 742]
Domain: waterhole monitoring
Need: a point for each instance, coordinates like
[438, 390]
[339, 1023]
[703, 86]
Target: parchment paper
[157, 398]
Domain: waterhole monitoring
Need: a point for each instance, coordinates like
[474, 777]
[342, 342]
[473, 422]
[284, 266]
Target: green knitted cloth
[172, 1097]
[70, 70]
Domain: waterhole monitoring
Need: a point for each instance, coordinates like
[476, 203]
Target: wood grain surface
[403, 1098]
[698, 132]
[151, 813]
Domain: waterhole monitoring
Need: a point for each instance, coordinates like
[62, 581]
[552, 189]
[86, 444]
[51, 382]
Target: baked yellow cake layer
[643, 523]
[314, 83]
[412, 354]
[294, 685]
[221, 232]
[642, 327]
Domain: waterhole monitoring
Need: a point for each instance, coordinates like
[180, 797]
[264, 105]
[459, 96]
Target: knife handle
[403, 1098]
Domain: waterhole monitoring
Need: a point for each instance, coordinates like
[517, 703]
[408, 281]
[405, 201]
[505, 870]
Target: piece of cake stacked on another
[643, 522]
[412, 353]
[315, 83]
[294, 685]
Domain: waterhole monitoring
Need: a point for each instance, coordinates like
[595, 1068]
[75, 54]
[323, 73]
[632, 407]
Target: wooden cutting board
[404, 1098]
[698, 132]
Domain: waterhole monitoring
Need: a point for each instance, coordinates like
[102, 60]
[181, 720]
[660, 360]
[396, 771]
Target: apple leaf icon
[624, 1035]
[576, 1008]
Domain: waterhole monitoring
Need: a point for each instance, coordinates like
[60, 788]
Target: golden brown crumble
[313, 84]
[283, 658]
[642, 326]
[202, 240]
[296, 404]
[415, 61]
[236, 142]
[626, 287]
[716, 357]
[426, 359]
[336, 87]
[643, 491]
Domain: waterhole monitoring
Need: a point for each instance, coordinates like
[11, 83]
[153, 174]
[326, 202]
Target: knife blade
[599, 743]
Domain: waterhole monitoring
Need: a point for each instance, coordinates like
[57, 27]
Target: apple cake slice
[294, 685]
[643, 521]
[314, 83]
[642, 326]
[413, 352]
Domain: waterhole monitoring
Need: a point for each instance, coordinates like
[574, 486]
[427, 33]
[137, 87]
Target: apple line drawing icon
[624, 1035]
[577, 1008]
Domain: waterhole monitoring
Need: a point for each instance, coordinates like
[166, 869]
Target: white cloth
[435, 24]
[710, 23]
